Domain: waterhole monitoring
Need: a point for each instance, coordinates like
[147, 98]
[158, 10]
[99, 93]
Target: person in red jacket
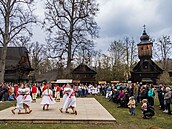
[34, 92]
[16, 89]
[57, 92]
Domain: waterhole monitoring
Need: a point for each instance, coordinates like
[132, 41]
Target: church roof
[155, 68]
[83, 69]
[144, 38]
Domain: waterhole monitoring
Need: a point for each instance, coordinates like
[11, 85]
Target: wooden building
[17, 64]
[170, 73]
[49, 76]
[84, 74]
[146, 71]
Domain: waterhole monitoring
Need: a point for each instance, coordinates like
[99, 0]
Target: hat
[132, 97]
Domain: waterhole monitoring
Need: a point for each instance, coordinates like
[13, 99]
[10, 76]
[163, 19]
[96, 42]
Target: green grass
[123, 119]
[6, 104]
[126, 121]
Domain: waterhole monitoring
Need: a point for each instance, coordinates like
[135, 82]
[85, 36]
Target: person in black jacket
[5, 91]
[160, 92]
[144, 93]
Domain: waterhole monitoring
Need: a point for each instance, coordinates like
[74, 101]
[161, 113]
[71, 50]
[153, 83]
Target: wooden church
[146, 71]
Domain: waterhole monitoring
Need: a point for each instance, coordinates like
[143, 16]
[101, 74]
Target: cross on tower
[144, 26]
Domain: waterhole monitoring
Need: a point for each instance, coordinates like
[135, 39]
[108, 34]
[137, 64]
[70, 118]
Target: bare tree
[130, 55]
[117, 52]
[16, 16]
[85, 54]
[70, 24]
[163, 49]
[37, 53]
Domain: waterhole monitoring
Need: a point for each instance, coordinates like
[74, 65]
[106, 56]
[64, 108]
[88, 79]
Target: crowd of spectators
[118, 93]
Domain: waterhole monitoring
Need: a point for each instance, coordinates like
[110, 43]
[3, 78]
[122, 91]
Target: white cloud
[120, 18]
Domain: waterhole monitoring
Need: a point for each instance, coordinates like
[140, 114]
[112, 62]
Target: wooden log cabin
[84, 74]
[17, 64]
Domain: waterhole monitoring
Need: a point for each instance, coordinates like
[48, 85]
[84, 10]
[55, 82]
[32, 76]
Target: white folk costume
[27, 99]
[89, 89]
[19, 99]
[71, 99]
[47, 97]
[65, 97]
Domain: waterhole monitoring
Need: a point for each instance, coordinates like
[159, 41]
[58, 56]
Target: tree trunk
[69, 57]
[3, 63]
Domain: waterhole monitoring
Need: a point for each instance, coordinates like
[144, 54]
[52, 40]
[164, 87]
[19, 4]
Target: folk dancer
[47, 98]
[19, 99]
[72, 101]
[66, 90]
[27, 99]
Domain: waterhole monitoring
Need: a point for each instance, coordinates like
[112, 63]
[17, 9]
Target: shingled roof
[13, 57]
[48, 76]
[83, 69]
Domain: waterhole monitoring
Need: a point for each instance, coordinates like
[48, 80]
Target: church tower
[145, 51]
[146, 71]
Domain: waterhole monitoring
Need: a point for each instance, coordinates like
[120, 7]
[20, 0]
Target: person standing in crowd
[167, 100]
[5, 89]
[11, 93]
[160, 92]
[16, 89]
[132, 105]
[34, 92]
[47, 98]
[57, 93]
[1, 92]
[143, 92]
[151, 95]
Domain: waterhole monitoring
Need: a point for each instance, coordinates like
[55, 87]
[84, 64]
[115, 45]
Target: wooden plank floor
[89, 111]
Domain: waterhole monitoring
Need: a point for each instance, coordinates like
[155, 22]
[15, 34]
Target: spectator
[132, 105]
[5, 89]
[167, 100]
[34, 92]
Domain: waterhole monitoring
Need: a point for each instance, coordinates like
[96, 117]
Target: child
[132, 104]
[144, 107]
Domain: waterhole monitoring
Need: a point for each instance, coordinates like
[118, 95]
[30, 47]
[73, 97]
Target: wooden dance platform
[89, 111]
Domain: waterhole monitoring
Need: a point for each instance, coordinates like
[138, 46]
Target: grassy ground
[6, 104]
[124, 120]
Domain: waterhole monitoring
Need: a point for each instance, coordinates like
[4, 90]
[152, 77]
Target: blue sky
[120, 18]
